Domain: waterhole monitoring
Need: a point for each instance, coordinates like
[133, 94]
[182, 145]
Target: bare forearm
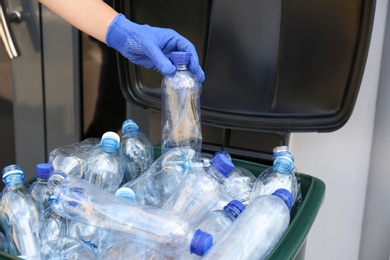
[93, 17]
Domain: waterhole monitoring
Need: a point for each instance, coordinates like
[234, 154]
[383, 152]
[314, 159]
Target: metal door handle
[6, 31]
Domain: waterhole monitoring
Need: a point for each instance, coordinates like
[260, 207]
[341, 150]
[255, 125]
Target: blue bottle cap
[11, 169]
[180, 57]
[286, 196]
[43, 170]
[223, 164]
[129, 125]
[235, 207]
[201, 243]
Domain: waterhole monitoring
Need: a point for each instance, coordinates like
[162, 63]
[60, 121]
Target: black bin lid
[287, 66]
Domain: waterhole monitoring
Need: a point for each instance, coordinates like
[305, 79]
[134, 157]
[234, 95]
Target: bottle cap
[43, 170]
[223, 164]
[12, 169]
[286, 162]
[129, 125]
[180, 57]
[201, 243]
[126, 193]
[110, 139]
[286, 196]
[235, 207]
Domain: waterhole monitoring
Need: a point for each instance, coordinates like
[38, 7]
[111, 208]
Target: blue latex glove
[150, 46]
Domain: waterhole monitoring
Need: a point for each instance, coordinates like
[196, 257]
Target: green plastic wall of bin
[293, 243]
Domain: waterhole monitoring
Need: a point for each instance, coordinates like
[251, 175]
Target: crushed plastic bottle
[164, 231]
[180, 98]
[70, 159]
[257, 230]
[279, 176]
[136, 150]
[20, 215]
[155, 185]
[66, 248]
[201, 189]
[104, 166]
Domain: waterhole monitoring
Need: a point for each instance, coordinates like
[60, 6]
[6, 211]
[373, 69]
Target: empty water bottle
[136, 150]
[257, 230]
[164, 231]
[155, 185]
[39, 189]
[20, 214]
[201, 189]
[280, 175]
[104, 166]
[70, 159]
[180, 97]
[67, 248]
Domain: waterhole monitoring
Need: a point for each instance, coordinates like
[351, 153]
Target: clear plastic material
[20, 214]
[155, 185]
[217, 221]
[3, 243]
[180, 98]
[164, 231]
[55, 226]
[256, 231]
[238, 186]
[39, 189]
[279, 176]
[104, 167]
[200, 190]
[67, 248]
[70, 159]
[136, 150]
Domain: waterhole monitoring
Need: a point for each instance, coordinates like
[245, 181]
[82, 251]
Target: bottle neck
[14, 179]
[109, 146]
[181, 67]
[231, 214]
[215, 174]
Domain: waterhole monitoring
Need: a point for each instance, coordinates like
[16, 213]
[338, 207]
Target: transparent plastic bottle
[67, 248]
[155, 185]
[280, 175]
[164, 231]
[258, 229]
[216, 222]
[136, 150]
[39, 189]
[238, 186]
[104, 166]
[20, 214]
[70, 159]
[201, 189]
[180, 99]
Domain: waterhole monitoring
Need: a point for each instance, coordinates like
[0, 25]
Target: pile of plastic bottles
[110, 198]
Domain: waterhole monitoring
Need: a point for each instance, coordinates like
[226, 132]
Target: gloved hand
[150, 46]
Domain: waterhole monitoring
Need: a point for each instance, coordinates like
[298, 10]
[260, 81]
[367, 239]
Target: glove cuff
[117, 32]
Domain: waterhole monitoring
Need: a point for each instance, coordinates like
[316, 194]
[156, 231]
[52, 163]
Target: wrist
[117, 32]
